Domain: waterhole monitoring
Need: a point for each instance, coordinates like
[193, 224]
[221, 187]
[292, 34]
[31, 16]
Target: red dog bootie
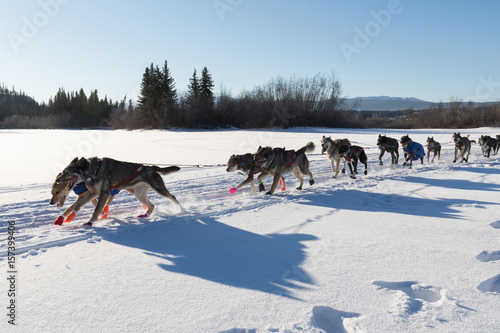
[104, 214]
[59, 220]
[70, 217]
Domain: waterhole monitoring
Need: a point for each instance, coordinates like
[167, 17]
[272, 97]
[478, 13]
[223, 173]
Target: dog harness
[136, 171]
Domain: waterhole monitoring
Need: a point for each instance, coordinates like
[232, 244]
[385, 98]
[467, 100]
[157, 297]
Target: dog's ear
[74, 161]
[323, 136]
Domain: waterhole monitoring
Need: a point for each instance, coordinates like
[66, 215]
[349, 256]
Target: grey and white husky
[334, 150]
[488, 144]
[433, 147]
[101, 175]
[278, 161]
[246, 164]
[462, 147]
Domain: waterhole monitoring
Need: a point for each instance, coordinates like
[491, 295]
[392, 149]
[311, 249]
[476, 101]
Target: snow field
[397, 250]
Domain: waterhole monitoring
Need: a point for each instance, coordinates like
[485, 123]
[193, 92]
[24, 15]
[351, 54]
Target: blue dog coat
[417, 149]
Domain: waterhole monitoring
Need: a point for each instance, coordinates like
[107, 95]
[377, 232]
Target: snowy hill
[397, 250]
[386, 103]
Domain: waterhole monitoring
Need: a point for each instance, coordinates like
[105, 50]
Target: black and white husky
[488, 144]
[390, 145]
[352, 155]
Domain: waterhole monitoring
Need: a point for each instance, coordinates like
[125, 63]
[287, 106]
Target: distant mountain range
[386, 103]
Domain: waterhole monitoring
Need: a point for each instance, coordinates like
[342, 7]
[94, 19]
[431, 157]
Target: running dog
[60, 192]
[462, 147]
[334, 149]
[386, 144]
[413, 151]
[352, 155]
[101, 175]
[488, 144]
[278, 161]
[433, 147]
[246, 164]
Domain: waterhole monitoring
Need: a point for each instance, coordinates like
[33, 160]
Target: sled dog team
[98, 180]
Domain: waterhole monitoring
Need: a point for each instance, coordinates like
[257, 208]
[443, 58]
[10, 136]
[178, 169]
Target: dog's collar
[93, 172]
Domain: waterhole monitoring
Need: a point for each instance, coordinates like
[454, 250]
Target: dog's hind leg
[305, 171]
[296, 174]
[141, 193]
[159, 187]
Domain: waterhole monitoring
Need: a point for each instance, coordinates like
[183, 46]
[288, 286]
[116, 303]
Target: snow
[397, 250]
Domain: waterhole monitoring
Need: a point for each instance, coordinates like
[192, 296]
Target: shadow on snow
[359, 200]
[211, 250]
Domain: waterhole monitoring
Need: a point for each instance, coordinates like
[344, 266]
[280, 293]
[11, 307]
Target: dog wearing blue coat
[413, 151]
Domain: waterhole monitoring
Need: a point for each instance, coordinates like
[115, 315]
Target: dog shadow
[208, 249]
[358, 200]
[459, 184]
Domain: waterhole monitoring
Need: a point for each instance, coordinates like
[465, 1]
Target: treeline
[282, 102]
[18, 105]
[64, 110]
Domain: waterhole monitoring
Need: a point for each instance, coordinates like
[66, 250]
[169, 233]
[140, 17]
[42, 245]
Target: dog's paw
[311, 181]
[70, 217]
[59, 220]
[233, 190]
[299, 188]
[88, 224]
[269, 193]
[261, 187]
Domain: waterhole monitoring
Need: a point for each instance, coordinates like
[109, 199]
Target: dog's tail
[165, 171]
[309, 148]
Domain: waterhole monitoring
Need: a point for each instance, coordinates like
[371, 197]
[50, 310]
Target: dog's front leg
[101, 202]
[247, 181]
[332, 163]
[276, 181]
[350, 169]
[382, 151]
[263, 175]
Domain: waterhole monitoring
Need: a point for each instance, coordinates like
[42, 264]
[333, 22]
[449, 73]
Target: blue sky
[433, 50]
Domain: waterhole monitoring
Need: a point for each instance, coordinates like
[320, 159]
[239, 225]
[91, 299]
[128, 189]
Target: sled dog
[488, 144]
[352, 155]
[246, 164]
[101, 175]
[413, 151]
[278, 161]
[60, 192]
[390, 145]
[462, 147]
[334, 149]
[433, 147]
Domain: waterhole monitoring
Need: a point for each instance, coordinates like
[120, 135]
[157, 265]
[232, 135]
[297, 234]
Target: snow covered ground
[398, 250]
